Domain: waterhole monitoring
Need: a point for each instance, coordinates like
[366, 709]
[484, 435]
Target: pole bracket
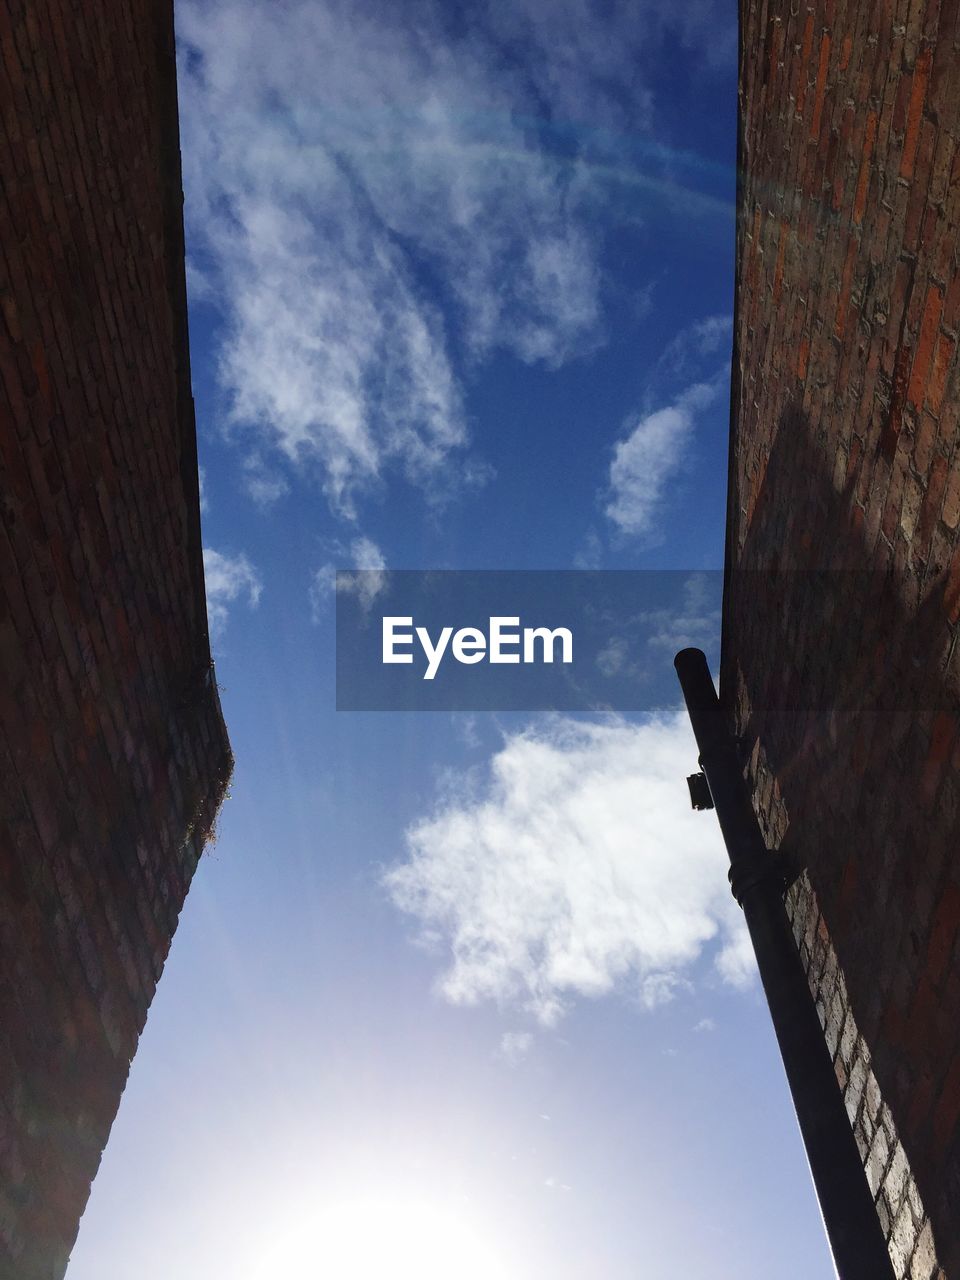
[699, 788]
[753, 869]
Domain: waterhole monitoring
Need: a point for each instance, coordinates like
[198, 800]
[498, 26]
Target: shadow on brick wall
[840, 654]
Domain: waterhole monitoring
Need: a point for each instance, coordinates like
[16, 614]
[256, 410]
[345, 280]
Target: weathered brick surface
[841, 667]
[113, 753]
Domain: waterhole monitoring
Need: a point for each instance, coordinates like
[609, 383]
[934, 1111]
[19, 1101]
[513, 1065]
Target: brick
[877, 1161]
[101, 605]
[896, 1179]
[918, 90]
[863, 177]
[820, 88]
[924, 444]
[944, 926]
[848, 686]
[926, 342]
[942, 361]
[951, 499]
[933, 497]
[947, 1110]
[903, 1238]
[803, 62]
[923, 1262]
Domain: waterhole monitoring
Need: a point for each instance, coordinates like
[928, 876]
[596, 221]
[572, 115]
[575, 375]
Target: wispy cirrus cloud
[229, 579]
[515, 1045]
[703, 340]
[656, 442]
[644, 640]
[363, 555]
[574, 867]
[322, 205]
[378, 198]
[694, 622]
[650, 455]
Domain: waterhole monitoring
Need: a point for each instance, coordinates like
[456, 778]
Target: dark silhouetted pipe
[852, 1225]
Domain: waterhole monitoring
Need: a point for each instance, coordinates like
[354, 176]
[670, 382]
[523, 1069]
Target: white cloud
[590, 554]
[656, 443]
[264, 484]
[364, 555]
[695, 623]
[320, 200]
[695, 344]
[228, 579]
[380, 197]
[705, 1024]
[199, 288]
[515, 1045]
[649, 456]
[466, 727]
[613, 656]
[574, 867]
[692, 619]
[660, 988]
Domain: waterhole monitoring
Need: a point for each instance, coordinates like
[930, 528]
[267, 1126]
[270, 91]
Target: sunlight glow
[371, 1239]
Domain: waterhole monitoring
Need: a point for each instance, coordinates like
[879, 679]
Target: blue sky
[454, 994]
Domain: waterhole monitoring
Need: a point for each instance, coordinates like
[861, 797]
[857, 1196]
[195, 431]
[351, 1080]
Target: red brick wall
[113, 753]
[840, 662]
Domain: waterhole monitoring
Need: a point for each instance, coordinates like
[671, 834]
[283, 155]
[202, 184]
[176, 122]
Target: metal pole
[851, 1221]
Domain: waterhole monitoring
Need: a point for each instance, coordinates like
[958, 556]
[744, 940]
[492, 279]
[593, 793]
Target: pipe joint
[755, 870]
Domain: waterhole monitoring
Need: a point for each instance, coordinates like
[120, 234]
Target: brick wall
[841, 668]
[113, 752]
